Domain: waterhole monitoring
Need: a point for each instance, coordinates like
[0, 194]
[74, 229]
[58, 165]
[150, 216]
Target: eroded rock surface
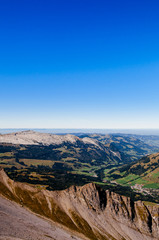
[88, 210]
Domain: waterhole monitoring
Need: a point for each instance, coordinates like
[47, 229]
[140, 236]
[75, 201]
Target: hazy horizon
[89, 131]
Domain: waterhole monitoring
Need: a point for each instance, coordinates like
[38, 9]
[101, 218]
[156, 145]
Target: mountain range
[59, 161]
[87, 212]
[89, 186]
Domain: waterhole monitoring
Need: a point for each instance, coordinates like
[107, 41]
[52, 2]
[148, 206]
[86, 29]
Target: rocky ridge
[35, 138]
[89, 210]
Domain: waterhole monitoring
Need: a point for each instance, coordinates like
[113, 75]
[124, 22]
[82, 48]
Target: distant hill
[132, 147]
[69, 149]
[58, 161]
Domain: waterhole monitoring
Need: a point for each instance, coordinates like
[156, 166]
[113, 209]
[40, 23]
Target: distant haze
[75, 131]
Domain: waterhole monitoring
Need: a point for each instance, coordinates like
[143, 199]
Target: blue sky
[79, 64]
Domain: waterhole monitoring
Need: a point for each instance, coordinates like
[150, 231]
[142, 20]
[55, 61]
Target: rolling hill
[142, 175]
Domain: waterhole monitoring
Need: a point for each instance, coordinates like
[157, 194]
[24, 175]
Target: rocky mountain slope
[35, 138]
[132, 147]
[57, 161]
[57, 147]
[88, 210]
[118, 148]
[17, 223]
[60, 161]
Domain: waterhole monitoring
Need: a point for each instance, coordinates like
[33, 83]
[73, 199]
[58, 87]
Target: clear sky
[79, 64]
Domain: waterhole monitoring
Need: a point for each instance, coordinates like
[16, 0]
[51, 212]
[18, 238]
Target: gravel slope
[17, 223]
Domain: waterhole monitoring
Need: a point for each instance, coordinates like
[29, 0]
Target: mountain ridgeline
[59, 161]
[97, 187]
[90, 211]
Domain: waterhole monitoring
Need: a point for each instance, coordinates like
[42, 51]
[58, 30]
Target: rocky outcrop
[37, 138]
[89, 210]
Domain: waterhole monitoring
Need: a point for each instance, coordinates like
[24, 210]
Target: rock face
[36, 138]
[88, 210]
